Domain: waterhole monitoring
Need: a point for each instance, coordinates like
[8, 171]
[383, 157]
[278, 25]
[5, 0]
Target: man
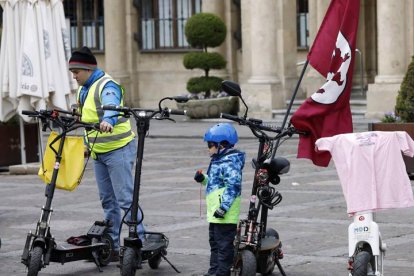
[113, 148]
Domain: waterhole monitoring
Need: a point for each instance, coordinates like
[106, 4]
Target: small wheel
[35, 261]
[246, 263]
[362, 264]
[105, 254]
[154, 262]
[130, 261]
[266, 262]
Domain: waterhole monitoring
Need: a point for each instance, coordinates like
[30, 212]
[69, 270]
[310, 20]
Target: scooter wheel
[154, 262]
[362, 264]
[245, 264]
[105, 254]
[35, 261]
[130, 261]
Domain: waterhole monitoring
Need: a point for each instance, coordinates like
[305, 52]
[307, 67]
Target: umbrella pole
[40, 141]
[22, 141]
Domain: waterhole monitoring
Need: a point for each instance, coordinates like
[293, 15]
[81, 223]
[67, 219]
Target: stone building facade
[266, 60]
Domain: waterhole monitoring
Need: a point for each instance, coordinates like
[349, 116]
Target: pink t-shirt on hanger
[371, 168]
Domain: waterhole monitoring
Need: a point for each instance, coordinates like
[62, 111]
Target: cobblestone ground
[311, 218]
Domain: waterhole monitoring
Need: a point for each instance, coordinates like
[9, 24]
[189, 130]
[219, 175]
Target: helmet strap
[218, 148]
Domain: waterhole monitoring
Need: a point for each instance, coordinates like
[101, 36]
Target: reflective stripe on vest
[93, 113]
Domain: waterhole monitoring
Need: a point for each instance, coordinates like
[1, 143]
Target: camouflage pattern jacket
[223, 185]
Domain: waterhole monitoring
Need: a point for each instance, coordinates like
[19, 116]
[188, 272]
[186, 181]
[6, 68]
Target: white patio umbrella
[34, 55]
[8, 57]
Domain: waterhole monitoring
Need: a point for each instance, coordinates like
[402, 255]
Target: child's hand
[199, 176]
[219, 213]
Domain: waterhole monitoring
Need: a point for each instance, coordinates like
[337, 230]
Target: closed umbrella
[8, 58]
[34, 56]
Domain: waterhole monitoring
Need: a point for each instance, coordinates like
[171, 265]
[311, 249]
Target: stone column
[313, 80]
[261, 50]
[217, 7]
[116, 61]
[287, 52]
[392, 43]
[263, 33]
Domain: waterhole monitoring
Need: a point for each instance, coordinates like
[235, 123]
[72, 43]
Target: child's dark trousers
[221, 238]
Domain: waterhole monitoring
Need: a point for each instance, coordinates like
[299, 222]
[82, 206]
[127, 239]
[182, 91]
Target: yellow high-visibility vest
[92, 113]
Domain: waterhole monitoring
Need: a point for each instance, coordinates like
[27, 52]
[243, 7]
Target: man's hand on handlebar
[105, 127]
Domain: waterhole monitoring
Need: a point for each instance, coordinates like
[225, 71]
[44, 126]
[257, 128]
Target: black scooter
[154, 248]
[41, 248]
[257, 247]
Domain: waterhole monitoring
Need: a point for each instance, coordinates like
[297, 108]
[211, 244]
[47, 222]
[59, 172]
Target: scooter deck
[155, 244]
[269, 243]
[150, 245]
[66, 252]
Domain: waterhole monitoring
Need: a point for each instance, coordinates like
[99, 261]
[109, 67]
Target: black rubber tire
[105, 254]
[266, 262]
[35, 261]
[362, 264]
[154, 262]
[129, 261]
[266, 266]
[248, 263]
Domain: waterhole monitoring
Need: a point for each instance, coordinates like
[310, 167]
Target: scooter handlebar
[29, 112]
[250, 122]
[177, 112]
[230, 117]
[115, 108]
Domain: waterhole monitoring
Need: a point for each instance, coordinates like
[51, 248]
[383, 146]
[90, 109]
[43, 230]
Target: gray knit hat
[83, 59]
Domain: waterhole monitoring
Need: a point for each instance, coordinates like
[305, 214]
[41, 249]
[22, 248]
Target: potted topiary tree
[206, 30]
[402, 119]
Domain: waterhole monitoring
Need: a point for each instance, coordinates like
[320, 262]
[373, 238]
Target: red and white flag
[327, 112]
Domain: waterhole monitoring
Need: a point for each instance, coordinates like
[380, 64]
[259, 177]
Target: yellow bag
[71, 166]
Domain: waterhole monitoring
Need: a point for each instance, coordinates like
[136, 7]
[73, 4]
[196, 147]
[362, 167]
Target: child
[223, 191]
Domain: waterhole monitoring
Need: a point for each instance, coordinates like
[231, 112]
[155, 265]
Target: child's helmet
[222, 132]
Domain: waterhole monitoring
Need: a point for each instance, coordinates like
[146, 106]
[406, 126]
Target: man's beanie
[83, 59]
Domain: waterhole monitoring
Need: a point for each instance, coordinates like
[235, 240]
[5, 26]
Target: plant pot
[407, 127]
[210, 108]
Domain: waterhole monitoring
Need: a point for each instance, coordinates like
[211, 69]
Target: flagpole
[291, 104]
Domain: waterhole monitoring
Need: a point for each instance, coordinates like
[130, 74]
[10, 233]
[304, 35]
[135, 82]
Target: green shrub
[202, 84]
[390, 117]
[404, 107]
[204, 30]
[203, 60]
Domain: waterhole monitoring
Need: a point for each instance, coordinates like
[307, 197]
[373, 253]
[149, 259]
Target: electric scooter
[366, 248]
[154, 248]
[41, 248]
[257, 247]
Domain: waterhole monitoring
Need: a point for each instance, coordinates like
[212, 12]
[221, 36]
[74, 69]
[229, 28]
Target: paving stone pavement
[311, 219]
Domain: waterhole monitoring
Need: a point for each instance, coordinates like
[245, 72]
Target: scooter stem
[142, 129]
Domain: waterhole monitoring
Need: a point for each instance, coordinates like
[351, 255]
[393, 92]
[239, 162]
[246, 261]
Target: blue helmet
[222, 132]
